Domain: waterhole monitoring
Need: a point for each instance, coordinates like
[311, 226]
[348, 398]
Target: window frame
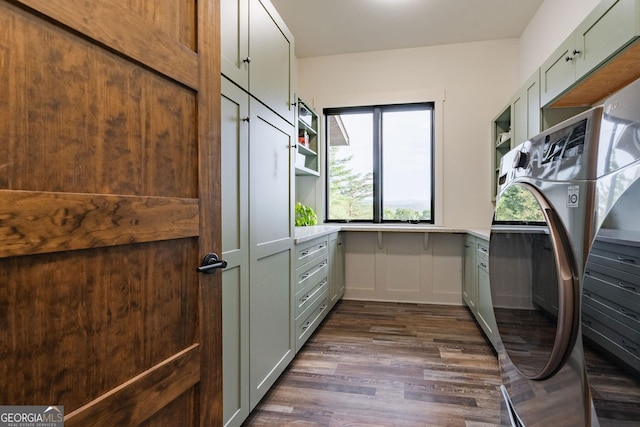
[377, 111]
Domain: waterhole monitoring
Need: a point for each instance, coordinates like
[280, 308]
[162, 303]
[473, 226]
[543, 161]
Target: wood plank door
[109, 198]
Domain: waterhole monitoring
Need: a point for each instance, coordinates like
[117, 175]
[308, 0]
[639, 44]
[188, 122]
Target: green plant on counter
[305, 215]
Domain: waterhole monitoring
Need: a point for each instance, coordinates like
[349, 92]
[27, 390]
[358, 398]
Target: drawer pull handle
[482, 264]
[324, 282]
[629, 313]
[304, 299]
[323, 264]
[627, 287]
[485, 250]
[629, 260]
[304, 253]
[322, 246]
[306, 326]
[305, 276]
[629, 347]
[323, 306]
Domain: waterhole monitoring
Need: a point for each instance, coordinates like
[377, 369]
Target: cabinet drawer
[311, 318]
[619, 257]
[612, 335]
[311, 274]
[619, 295]
[308, 295]
[482, 249]
[307, 251]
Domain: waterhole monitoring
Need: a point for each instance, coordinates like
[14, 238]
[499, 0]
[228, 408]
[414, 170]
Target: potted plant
[305, 215]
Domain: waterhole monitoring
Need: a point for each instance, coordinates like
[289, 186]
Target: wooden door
[109, 197]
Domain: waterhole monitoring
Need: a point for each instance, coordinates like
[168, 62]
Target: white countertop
[304, 234]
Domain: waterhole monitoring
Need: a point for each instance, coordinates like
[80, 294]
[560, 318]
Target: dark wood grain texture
[109, 198]
[388, 364]
[151, 43]
[36, 222]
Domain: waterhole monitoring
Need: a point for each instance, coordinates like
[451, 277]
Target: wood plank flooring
[388, 364]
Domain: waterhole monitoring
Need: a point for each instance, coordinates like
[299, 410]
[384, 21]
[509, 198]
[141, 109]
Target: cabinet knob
[247, 60]
[246, 119]
[568, 58]
[576, 52]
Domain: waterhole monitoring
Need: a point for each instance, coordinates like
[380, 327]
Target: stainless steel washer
[540, 238]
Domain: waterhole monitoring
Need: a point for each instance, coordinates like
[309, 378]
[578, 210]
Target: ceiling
[330, 27]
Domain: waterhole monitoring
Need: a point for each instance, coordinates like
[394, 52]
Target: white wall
[476, 80]
[551, 25]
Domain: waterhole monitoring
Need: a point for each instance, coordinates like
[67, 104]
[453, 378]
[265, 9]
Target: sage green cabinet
[257, 53]
[234, 41]
[271, 244]
[257, 216]
[235, 250]
[476, 291]
[484, 315]
[308, 123]
[610, 27]
[469, 279]
[311, 287]
[336, 268]
[525, 110]
[501, 144]
[516, 123]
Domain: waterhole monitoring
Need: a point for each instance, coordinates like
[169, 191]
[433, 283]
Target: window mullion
[377, 165]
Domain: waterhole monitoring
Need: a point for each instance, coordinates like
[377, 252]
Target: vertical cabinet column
[271, 234]
[258, 135]
[475, 288]
[336, 268]
[235, 250]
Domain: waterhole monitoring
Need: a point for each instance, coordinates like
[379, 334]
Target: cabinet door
[611, 25]
[234, 41]
[558, 72]
[336, 268]
[235, 250]
[486, 317]
[525, 110]
[519, 117]
[272, 341]
[532, 93]
[469, 280]
[271, 48]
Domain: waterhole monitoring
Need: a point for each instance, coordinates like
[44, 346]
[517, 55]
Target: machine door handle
[210, 263]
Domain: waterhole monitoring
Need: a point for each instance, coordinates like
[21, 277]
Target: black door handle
[210, 263]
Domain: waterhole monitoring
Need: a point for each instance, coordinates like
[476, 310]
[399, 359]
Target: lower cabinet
[476, 292]
[311, 287]
[470, 278]
[336, 268]
[319, 282]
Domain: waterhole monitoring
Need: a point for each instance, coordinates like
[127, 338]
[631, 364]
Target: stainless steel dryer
[540, 238]
[611, 286]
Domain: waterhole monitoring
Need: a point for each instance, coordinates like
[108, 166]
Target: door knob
[210, 263]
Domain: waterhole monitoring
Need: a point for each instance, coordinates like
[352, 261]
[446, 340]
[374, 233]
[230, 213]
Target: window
[380, 163]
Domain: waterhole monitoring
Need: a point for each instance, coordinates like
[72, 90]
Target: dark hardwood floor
[388, 364]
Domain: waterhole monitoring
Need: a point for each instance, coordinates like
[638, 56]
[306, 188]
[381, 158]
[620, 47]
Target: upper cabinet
[519, 121]
[257, 53]
[501, 144]
[308, 140]
[607, 30]
[525, 110]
